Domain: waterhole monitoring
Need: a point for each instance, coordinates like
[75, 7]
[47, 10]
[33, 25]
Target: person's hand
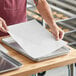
[57, 32]
[3, 25]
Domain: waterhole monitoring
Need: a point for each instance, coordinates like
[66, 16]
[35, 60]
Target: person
[14, 11]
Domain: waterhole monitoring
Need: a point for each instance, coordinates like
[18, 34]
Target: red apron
[13, 11]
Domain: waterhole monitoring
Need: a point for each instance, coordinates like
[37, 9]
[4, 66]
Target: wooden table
[29, 67]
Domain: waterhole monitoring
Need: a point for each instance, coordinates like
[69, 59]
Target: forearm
[45, 11]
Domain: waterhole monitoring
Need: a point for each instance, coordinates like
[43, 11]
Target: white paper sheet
[34, 39]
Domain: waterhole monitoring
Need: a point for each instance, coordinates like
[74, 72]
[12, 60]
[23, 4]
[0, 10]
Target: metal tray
[8, 63]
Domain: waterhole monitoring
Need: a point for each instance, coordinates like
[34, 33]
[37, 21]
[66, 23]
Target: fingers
[3, 26]
[3, 30]
[61, 34]
[58, 33]
[55, 34]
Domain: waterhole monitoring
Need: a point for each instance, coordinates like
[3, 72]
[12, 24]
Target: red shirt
[13, 11]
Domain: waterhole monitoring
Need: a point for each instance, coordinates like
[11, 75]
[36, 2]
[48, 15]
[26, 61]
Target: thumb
[57, 35]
